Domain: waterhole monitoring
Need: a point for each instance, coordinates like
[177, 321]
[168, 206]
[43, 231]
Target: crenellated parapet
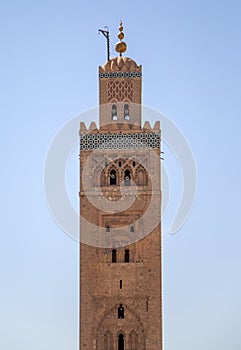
[120, 128]
[145, 138]
[120, 64]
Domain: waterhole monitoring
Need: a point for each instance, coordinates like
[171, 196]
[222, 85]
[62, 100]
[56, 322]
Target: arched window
[127, 177]
[126, 112]
[121, 342]
[114, 112]
[127, 255]
[107, 228]
[114, 255]
[112, 177]
[121, 311]
[132, 228]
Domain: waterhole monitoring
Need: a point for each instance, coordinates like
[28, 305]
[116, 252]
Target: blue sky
[191, 54]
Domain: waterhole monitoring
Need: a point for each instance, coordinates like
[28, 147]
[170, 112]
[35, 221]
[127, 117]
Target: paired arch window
[114, 112]
[126, 258]
[111, 176]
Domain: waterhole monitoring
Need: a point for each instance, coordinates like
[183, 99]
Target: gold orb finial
[121, 45]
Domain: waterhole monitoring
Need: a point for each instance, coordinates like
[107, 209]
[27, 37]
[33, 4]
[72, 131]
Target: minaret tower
[120, 216]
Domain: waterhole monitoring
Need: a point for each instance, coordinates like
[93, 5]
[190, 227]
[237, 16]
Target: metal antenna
[106, 34]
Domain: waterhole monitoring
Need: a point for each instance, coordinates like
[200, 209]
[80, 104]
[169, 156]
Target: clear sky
[191, 54]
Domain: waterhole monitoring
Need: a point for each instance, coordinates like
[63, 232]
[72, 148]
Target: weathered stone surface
[135, 285]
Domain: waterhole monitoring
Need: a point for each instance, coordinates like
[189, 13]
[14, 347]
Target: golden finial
[121, 45]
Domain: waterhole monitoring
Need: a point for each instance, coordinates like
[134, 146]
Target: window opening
[114, 255]
[147, 304]
[107, 228]
[132, 228]
[114, 112]
[127, 255]
[126, 112]
[127, 177]
[121, 311]
[121, 342]
[120, 284]
[112, 177]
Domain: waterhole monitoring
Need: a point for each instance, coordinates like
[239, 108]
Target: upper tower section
[120, 89]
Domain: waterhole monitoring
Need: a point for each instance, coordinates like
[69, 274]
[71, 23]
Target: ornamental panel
[120, 141]
[120, 90]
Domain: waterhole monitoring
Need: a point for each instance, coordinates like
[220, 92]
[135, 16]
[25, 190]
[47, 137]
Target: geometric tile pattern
[120, 141]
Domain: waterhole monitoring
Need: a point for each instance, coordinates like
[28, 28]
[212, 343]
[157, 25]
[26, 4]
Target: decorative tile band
[120, 141]
[120, 75]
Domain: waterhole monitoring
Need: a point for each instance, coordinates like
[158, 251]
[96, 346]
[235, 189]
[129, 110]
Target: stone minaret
[120, 217]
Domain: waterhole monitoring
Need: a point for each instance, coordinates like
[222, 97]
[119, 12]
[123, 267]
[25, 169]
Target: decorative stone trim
[120, 75]
[120, 141]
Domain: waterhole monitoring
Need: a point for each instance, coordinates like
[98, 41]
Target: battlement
[117, 139]
[118, 128]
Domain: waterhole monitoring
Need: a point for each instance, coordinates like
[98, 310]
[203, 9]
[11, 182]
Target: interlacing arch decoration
[119, 162]
[108, 330]
[126, 171]
[113, 175]
[99, 178]
[103, 179]
[109, 176]
[120, 90]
